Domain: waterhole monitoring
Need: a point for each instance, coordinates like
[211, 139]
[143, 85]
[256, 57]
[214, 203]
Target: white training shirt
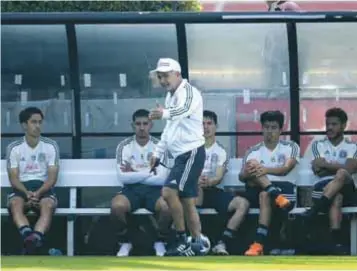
[283, 151]
[216, 156]
[139, 159]
[32, 162]
[335, 154]
[184, 114]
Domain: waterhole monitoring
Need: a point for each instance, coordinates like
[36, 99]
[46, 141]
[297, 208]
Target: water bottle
[55, 252]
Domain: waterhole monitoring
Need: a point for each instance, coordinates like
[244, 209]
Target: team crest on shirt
[41, 157]
[343, 154]
[281, 159]
[33, 157]
[214, 158]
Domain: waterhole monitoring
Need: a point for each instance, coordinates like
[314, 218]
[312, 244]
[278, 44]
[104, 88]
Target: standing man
[334, 161]
[183, 138]
[142, 189]
[32, 164]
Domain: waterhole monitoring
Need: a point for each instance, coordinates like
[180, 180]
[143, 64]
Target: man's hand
[260, 171]
[126, 167]
[33, 199]
[251, 168]
[203, 181]
[154, 163]
[318, 164]
[156, 113]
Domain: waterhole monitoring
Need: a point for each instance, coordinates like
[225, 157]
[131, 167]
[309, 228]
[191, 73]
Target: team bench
[79, 173]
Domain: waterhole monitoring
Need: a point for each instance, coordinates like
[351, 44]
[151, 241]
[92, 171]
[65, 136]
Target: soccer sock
[162, 236]
[227, 235]
[261, 234]
[336, 236]
[322, 204]
[39, 236]
[197, 240]
[123, 236]
[181, 235]
[25, 231]
[272, 191]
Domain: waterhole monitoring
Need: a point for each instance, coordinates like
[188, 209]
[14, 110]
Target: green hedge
[63, 6]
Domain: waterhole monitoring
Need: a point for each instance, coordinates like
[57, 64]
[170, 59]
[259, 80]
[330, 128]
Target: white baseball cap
[167, 65]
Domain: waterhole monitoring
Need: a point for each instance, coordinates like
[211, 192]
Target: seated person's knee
[47, 204]
[162, 206]
[342, 175]
[243, 203]
[337, 202]
[239, 203]
[120, 204]
[264, 198]
[16, 204]
[167, 193]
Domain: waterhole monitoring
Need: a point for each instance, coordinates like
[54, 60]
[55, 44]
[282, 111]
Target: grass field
[196, 263]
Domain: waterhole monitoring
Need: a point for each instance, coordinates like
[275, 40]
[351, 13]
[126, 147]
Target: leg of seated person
[47, 207]
[329, 192]
[264, 221]
[164, 221]
[120, 207]
[335, 216]
[239, 206]
[200, 197]
[264, 183]
[17, 209]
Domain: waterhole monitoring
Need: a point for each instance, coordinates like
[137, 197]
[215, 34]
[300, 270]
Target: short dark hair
[27, 113]
[338, 113]
[211, 115]
[140, 113]
[272, 116]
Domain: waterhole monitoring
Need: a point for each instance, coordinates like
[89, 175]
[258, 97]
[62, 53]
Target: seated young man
[210, 195]
[334, 160]
[142, 189]
[32, 164]
[263, 163]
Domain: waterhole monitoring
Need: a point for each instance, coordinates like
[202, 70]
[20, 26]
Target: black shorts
[33, 186]
[287, 189]
[142, 196]
[186, 171]
[217, 199]
[348, 192]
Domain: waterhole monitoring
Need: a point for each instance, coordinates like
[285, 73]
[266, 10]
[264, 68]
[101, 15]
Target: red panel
[248, 117]
[305, 5]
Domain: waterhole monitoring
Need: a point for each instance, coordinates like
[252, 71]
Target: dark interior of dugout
[97, 238]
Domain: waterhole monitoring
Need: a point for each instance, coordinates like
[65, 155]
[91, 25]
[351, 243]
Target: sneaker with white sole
[124, 250]
[160, 249]
[220, 249]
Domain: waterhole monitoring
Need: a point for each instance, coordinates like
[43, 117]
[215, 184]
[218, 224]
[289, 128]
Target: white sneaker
[124, 250]
[159, 249]
[220, 249]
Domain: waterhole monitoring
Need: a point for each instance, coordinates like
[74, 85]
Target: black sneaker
[309, 214]
[177, 248]
[30, 245]
[194, 249]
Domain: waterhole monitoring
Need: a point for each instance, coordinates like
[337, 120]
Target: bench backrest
[102, 173]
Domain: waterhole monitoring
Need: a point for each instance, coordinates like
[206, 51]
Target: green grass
[196, 263]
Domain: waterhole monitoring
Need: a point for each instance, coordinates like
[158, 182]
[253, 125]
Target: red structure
[261, 6]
